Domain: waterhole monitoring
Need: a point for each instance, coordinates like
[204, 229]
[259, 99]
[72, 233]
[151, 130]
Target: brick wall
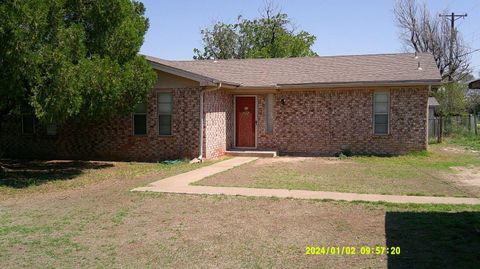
[113, 139]
[218, 125]
[326, 121]
[310, 122]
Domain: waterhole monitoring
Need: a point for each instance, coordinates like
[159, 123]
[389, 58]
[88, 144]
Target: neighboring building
[474, 85]
[316, 105]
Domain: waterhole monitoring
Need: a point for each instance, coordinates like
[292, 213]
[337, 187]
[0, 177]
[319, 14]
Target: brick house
[316, 105]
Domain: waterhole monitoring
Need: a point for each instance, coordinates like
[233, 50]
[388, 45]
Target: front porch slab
[251, 153]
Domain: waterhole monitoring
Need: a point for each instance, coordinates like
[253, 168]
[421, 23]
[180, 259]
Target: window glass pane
[27, 124]
[381, 107]
[269, 113]
[381, 119]
[381, 112]
[381, 128]
[165, 124]
[381, 97]
[164, 108]
[165, 97]
[141, 108]
[51, 129]
[140, 124]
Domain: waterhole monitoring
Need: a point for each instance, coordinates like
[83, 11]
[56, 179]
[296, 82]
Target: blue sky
[341, 26]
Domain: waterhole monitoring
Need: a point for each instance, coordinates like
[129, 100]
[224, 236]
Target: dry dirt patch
[276, 160]
[469, 177]
[458, 150]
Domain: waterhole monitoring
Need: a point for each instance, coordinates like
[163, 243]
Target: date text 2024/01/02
[350, 250]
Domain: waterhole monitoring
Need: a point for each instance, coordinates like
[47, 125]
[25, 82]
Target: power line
[470, 52]
[452, 17]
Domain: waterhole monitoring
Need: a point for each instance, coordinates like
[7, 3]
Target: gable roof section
[373, 69]
[432, 101]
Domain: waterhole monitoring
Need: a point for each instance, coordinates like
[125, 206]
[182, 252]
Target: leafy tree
[473, 101]
[452, 98]
[270, 36]
[72, 59]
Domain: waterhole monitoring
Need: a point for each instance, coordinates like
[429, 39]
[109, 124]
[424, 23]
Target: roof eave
[336, 85]
[433, 82]
[203, 80]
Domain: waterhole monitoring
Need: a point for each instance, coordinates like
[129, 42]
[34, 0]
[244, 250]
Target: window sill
[381, 135]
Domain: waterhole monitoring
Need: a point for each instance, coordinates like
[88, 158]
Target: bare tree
[423, 32]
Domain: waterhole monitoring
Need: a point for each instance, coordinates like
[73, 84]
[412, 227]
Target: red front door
[245, 122]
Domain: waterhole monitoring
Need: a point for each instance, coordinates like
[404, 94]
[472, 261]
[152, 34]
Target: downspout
[202, 93]
[200, 157]
[428, 115]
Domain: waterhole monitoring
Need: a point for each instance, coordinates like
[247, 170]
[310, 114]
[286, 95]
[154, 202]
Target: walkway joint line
[181, 184]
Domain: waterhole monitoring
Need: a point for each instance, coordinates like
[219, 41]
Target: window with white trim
[164, 113]
[140, 119]
[269, 113]
[381, 110]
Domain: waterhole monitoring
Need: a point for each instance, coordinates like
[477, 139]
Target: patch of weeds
[344, 153]
[23, 230]
[150, 194]
[469, 141]
[273, 198]
[219, 198]
[417, 207]
[410, 207]
[419, 153]
[119, 217]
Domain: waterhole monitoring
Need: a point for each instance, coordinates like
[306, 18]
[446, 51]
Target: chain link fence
[449, 125]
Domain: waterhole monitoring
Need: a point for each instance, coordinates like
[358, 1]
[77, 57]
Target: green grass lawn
[26, 177]
[422, 173]
[83, 215]
[469, 141]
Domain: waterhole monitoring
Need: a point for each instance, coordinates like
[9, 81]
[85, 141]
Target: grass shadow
[433, 239]
[25, 173]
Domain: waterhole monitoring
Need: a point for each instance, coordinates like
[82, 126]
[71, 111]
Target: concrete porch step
[251, 153]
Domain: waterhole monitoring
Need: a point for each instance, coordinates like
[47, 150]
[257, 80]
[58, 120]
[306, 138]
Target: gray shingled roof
[350, 69]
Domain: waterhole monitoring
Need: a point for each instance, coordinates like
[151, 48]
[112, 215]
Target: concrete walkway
[180, 184]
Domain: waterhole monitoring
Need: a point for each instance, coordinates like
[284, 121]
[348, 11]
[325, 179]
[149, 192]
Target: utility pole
[452, 17]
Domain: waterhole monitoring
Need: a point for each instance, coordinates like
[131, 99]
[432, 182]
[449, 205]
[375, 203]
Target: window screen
[164, 113]
[381, 108]
[140, 120]
[269, 113]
